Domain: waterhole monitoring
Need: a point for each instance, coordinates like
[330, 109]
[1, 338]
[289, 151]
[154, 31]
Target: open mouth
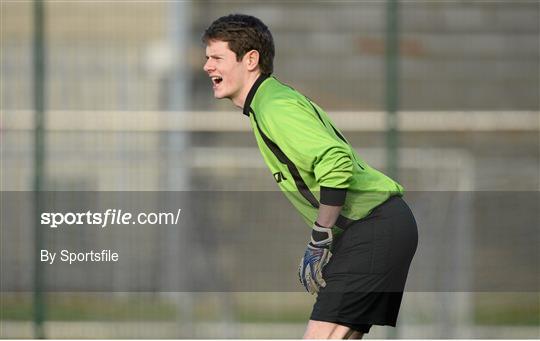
[216, 80]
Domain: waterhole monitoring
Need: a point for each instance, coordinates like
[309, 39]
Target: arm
[332, 200]
[328, 215]
[318, 251]
[310, 145]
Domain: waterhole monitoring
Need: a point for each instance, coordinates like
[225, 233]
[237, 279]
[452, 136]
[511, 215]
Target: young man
[363, 234]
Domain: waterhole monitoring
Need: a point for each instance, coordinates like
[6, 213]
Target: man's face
[228, 75]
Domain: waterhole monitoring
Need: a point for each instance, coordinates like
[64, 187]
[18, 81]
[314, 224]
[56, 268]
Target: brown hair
[244, 33]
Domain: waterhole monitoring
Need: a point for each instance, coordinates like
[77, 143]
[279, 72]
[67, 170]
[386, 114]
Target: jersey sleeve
[306, 141]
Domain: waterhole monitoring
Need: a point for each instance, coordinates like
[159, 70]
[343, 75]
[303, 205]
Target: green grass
[91, 307]
[143, 307]
[518, 309]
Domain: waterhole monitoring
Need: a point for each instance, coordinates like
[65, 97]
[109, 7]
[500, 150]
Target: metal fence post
[39, 156]
[392, 86]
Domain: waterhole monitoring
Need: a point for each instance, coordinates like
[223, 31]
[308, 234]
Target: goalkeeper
[363, 234]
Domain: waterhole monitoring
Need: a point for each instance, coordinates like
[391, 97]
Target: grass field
[519, 309]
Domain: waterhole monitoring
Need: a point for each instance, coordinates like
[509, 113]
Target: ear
[251, 59]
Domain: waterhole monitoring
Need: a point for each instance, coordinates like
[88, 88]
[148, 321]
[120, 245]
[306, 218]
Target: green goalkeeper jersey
[309, 158]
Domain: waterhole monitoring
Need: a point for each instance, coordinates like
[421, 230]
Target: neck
[239, 100]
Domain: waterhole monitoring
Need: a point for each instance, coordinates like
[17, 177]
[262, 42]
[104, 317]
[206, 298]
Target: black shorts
[366, 275]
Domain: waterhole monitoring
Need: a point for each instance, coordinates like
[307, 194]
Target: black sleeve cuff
[333, 196]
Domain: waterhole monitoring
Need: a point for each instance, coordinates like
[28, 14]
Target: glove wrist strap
[321, 236]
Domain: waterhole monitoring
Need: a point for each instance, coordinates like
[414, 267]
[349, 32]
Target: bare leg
[328, 330]
[340, 333]
[318, 329]
[356, 335]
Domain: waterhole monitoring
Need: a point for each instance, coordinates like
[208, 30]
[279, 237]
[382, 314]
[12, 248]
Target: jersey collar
[252, 93]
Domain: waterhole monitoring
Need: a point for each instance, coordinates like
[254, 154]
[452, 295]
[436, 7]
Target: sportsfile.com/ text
[109, 217]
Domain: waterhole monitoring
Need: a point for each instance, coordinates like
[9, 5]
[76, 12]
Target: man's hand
[315, 258]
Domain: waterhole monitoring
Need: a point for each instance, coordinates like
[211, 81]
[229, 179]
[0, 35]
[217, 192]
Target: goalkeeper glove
[316, 256]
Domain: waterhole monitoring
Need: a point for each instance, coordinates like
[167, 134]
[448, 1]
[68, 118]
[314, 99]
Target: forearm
[332, 200]
[328, 215]
[318, 251]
